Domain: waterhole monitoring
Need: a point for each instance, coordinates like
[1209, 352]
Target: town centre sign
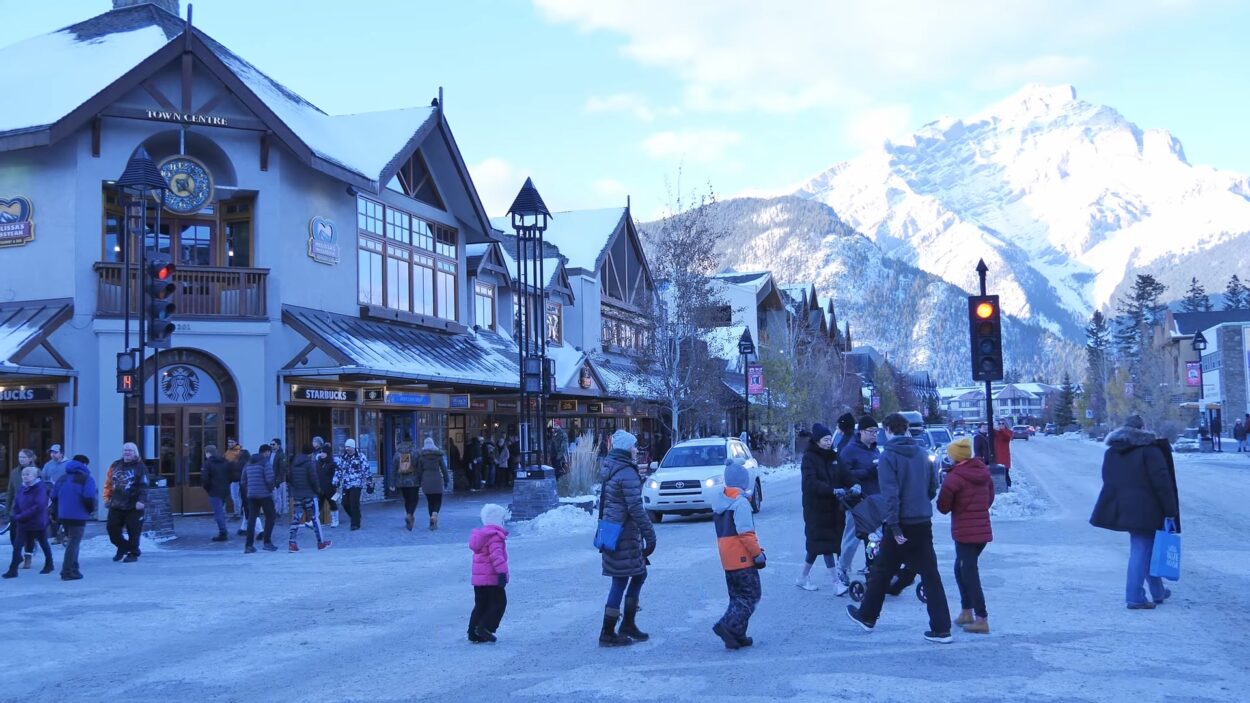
[187, 118]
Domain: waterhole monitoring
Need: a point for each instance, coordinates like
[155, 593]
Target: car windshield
[695, 455]
[940, 436]
[923, 440]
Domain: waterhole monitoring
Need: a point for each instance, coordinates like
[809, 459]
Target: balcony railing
[204, 291]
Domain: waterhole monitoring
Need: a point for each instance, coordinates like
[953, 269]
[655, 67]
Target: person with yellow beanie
[967, 494]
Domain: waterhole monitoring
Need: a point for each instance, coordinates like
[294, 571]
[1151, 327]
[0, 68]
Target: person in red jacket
[1002, 447]
[967, 494]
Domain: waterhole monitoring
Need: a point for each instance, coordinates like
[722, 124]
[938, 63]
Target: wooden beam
[210, 104]
[187, 60]
[158, 96]
[95, 136]
[264, 151]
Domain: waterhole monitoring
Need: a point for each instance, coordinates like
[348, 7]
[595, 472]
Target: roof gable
[581, 236]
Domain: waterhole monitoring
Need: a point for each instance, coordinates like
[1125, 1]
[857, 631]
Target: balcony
[204, 291]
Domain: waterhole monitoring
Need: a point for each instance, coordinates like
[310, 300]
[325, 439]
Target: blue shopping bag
[1165, 558]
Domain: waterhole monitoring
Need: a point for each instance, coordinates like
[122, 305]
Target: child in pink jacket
[490, 574]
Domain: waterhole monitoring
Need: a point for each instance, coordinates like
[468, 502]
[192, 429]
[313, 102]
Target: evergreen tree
[1236, 295]
[1097, 345]
[1067, 394]
[933, 411]
[1140, 310]
[1196, 300]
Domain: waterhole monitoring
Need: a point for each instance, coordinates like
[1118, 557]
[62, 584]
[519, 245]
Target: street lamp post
[140, 179]
[746, 347]
[535, 484]
[1200, 345]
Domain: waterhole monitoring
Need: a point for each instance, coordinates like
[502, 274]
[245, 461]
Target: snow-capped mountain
[917, 320]
[1064, 199]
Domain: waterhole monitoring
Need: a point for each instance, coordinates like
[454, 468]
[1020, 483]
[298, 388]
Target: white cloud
[694, 145]
[745, 55]
[628, 103]
[497, 182]
[870, 127]
[1048, 68]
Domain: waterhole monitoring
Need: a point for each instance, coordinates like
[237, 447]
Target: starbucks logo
[180, 383]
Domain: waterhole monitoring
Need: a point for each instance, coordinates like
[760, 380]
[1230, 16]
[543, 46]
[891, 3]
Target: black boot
[221, 537]
[628, 627]
[608, 636]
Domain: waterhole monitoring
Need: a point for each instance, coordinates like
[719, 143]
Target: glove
[856, 490]
[760, 561]
[369, 489]
[648, 548]
[503, 580]
[839, 492]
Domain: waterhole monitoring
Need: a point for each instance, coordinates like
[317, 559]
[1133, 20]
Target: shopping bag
[1165, 558]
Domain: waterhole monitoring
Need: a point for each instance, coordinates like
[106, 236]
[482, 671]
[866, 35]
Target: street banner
[1193, 373]
[755, 379]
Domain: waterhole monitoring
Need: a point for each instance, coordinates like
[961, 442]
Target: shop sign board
[319, 393]
[28, 394]
[323, 241]
[16, 221]
[459, 401]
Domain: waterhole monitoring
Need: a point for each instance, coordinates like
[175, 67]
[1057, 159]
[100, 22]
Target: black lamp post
[530, 218]
[746, 347]
[1200, 345]
[138, 181]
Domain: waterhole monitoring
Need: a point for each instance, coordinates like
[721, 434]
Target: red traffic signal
[159, 307]
[985, 326]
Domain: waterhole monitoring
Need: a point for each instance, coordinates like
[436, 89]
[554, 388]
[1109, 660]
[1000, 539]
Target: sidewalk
[381, 525]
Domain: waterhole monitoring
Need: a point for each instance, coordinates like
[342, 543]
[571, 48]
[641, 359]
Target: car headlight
[932, 456]
[654, 485]
[714, 481]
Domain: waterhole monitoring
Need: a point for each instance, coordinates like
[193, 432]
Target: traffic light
[985, 323]
[159, 305]
[127, 373]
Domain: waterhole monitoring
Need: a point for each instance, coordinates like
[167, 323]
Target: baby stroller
[868, 514]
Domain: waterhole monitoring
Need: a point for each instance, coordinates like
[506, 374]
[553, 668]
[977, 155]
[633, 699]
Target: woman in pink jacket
[490, 574]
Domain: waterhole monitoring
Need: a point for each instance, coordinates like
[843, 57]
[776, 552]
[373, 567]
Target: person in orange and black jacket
[740, 555]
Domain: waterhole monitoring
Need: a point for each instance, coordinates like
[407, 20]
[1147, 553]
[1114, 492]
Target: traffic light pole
[982, 269]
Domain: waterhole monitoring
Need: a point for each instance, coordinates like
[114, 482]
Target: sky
[658, 100]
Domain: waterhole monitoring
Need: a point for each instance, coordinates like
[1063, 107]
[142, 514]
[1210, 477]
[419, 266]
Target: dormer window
[404, 262]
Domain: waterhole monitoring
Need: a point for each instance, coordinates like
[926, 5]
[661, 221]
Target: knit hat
[55, 448]
[429, 443]
[350, 444]
[623, 440]
[736, 475]
[846, 423]
[494, 514]
[867, 423]
[960, 449]
[819, 432]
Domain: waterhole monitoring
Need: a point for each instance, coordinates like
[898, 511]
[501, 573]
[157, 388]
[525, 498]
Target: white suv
[691, 472]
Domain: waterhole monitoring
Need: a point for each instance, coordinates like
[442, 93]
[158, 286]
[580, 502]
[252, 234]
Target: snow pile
[564, 520]
[776, 473]
[1024, 500]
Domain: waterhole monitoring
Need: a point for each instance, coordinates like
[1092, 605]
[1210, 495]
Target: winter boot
[47, 567]
[980, 626]
[486, 635]
[221, 537]
[292, 547]
[628, 627]
[965, 618]
[608, 636]
[408, 520]
[26, 562]
[12, 574]
[726, 636]
[433, 521]
[334, 518]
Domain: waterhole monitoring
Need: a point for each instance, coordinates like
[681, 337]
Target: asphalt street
[382, 618]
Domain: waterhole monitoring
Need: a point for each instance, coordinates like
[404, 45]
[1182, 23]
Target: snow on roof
[550, 266]
[61, 71]
[580, 235]
[568, 361]
[21, 323]
[754, 279]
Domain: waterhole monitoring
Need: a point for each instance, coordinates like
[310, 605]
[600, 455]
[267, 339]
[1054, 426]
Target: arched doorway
[198, 406]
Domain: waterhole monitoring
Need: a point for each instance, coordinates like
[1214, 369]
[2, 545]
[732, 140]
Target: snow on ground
[775, 473]
[564, 520]
[1024, 500]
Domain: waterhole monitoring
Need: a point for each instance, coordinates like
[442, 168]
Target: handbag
[1165, 557]
[607, 533]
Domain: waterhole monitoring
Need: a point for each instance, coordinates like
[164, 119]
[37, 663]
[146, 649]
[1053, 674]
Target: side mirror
[653, 465]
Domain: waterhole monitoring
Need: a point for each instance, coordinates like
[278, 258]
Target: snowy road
[387, 623]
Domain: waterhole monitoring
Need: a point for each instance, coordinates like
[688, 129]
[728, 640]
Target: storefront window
[484, 305]
[343, 427]
[369, 439]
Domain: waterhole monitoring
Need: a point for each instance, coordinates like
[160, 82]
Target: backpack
[405, 462]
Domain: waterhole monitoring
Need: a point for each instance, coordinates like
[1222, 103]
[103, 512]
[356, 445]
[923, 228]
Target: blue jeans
[219, 513]
[1140, 546]
[624, 586]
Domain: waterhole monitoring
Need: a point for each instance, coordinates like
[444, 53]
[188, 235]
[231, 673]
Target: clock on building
[190, 184]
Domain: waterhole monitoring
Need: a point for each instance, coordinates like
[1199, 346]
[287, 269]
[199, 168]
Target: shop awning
[403, 352]
[24, 327]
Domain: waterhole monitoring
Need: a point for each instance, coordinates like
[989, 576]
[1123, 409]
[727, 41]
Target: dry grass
[583, 468]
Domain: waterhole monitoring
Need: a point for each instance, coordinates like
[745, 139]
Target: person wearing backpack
[73, 496]
[406, 478]
[435, 478]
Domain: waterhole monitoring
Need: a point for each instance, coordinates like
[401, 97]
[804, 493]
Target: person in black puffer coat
[323, 459]
[1138, 494]
[824, 520]
[621, 498]
[305, 486]
[215, 476]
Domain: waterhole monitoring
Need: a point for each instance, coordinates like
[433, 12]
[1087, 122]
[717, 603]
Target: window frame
[432, 254]
[485, 291]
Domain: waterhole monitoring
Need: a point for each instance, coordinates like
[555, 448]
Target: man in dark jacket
[125, 495]
[324, 462]
[824, 519]
[859, 460]
[305, 487]
[981, 443]
[1138, 496]
[278, 460]
[215, 477]
[1217, 426]
[909, 485]
[256, 485]
[74, 497]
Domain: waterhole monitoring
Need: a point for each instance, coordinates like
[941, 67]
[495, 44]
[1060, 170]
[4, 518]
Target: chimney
[170, 6]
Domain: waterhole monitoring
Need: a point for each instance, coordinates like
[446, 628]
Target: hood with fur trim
[1124, 439]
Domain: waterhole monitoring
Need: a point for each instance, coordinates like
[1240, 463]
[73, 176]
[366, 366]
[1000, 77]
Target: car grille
[678, 485]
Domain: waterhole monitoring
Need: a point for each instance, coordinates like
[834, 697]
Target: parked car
[1020, 432]
[1050, 429]
[683, 482]
[1189, 441]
